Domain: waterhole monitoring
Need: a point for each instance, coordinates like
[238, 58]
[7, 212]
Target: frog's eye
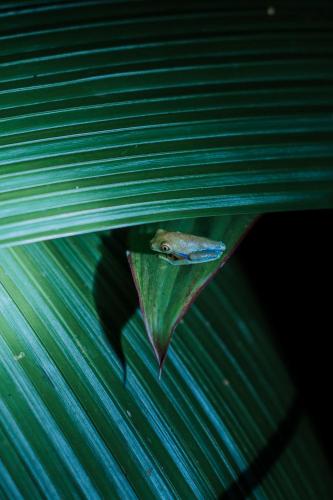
[164, 247]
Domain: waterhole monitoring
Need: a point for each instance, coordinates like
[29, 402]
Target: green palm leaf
[122, 113]
[109, 119]
[223, 419]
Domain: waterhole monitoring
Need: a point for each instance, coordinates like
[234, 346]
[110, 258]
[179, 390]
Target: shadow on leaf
[114, 291]
[261, 466]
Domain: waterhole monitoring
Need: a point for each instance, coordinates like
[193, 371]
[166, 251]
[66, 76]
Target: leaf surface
[223, 421]
[108, 118]
[166, 291]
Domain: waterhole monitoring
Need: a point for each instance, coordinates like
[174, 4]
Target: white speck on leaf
[19, 356]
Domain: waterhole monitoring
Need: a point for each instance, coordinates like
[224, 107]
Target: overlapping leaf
[108, 117]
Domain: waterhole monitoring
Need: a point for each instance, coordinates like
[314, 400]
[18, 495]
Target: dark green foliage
[224, 415]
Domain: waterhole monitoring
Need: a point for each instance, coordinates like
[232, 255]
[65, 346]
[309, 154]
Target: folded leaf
[166, 291]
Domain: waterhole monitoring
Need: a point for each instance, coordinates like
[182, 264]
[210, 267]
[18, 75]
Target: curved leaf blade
[110, 119]
[165, 291]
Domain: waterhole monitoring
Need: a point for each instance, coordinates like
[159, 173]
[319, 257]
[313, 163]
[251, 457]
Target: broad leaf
[224, 420]
[110, 118]
[165, 291]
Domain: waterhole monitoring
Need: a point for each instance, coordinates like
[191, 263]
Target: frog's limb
[175, 262]
[193, 258]
[204, 256]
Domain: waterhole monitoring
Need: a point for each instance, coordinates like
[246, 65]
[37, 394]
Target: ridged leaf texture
[223, 420]
[117, 113]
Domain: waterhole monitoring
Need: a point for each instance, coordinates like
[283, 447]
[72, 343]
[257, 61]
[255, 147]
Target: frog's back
[192, 243]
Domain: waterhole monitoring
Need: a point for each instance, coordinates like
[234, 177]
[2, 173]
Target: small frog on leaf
[181, 249]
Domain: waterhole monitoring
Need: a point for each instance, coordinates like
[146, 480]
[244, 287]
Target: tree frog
[181, 249]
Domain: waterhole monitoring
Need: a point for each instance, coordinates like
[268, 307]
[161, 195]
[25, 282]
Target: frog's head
[160, 243]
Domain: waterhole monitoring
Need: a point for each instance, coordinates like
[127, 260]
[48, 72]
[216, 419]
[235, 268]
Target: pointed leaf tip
[166, 292]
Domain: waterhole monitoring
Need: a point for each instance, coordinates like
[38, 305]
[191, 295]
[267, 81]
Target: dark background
[288, 258]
